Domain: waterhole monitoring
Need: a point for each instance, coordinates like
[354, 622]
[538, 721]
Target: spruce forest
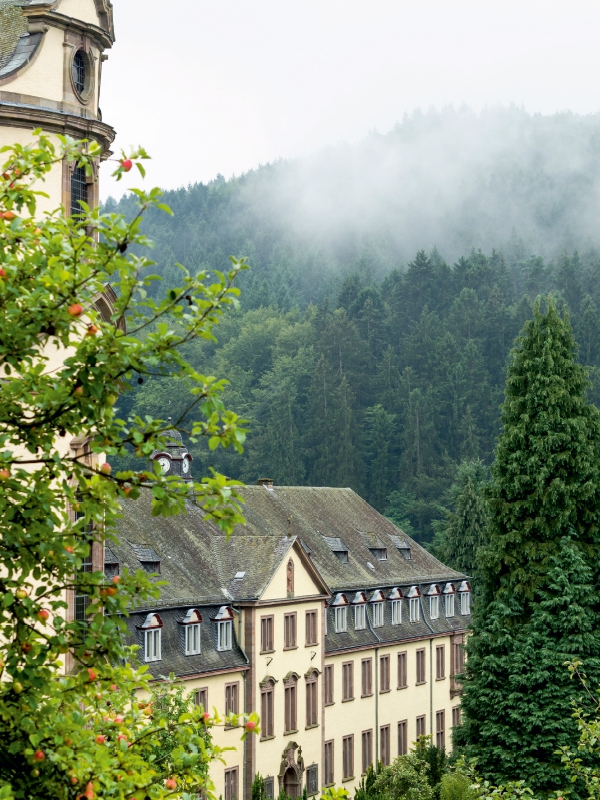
[388, 282]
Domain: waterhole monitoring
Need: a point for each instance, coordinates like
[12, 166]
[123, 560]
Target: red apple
[250, 726]
[39, 755]
[21, 594]
[118, 720]
[100, 739]
[92, 675]
[4, 474]
[92, 330]
[26, 647]
[89, 792]
[8, 215]
[116, 579]
[74, 780]
[113, 687]
[75, 310]
[106, 468]
[2, 273]
[127, 164]
[171, 783]
[69, 549]
[43, 615]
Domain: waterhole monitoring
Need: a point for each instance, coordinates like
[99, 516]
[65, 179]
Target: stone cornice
[102, 37]
[30, 116]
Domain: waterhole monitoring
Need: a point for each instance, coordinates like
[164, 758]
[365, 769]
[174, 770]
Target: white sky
[221, 86]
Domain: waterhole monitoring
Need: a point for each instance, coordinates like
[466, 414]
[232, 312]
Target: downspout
[244, 768]
[430, 671]
[376, 693]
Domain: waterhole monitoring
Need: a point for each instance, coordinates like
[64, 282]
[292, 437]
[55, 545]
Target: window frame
[311, 626]
[360, 610]
[189, 630]
[384, 674]
[348, 757]
[456, 716]
[329, 762]
[340, 618]
[450, 605]
[347, 681]
[421, 723]
[231, 778]
[396, 612]
[290, 631]
[440, 729]
[312, 770]
[366, 677]
[385, 755]
[367, 749]
[421, 666]
[414, 609]
[465, 603]
[154, 635]
[267, 633]
[224, 634]
[403, 737]
[290, 693]
[312, 699]
[232, 698]
[434, 606]
[440, 662]
[402, 663]
[328, 685]
[378, 615]
[267, 709]
[201, 697]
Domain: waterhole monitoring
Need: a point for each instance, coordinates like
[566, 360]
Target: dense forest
[356, 362]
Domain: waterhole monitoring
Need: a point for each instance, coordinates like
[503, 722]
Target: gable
[305, 580]
[94, 12]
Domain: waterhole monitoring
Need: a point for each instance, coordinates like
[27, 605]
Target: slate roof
[22, 54]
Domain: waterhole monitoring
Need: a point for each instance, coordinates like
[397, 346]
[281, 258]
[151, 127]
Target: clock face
[165, 464]
[185, 466]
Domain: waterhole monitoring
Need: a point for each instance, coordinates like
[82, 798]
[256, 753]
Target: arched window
[152, 627]
[79, 190]
[79, 75]
[312, 692]
[290, 578]
[291, 703]
[267, 704]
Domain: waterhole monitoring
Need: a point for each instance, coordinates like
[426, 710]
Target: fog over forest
[389, 280]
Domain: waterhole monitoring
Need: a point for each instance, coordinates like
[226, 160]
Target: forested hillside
[356, 361]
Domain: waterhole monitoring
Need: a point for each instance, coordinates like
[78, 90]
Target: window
[449, 605]
[384, 674]
[232, 691]
[267, 722]
[111, 569]
[192, 640]
[402, 671]
[231, 784]
[421, 666]
[311, 628]
[79, 190]
[440, 733]
[414, 612]
[465, 603]
[367, 750]
[360, 617]
[348, 757]
[266, 634]
[459, 658]
[270, 788]
[312, 779]
[421, 726]
[152, 645]
[224, 635]
[82, 600]
[440, 662]
[341, 619]
[378, 614]
[312, 714]
[396, 612]
[79, 71]
[456, 716]
[403, 738]
[348, 681]
[341, 555]
[384, 744]
[202, 698]
[289, 631]
[366, 677]
[434, 607]
[328, 685]
[380, 553]
[328, 763]
[290, 705]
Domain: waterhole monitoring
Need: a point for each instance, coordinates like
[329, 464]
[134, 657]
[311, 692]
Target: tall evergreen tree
[538, 606]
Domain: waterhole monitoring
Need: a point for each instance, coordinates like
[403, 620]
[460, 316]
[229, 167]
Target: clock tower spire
[174, 458]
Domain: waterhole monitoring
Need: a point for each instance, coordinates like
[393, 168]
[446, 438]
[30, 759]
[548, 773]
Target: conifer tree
[537, 607]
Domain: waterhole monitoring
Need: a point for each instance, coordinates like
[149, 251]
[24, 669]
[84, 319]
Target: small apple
[35, 773]
[92, 330]
[99, 696]
[118, 720]
[4, 474]
[171, 783]
[2, 273]
[250, 726]
[113, 687]
[69, 549]
[116, 579]
[206, 716]
[89, 792]
[21, 594]
[26, 647]
[147, 712]
[43, 614]
[74, 780]
[127, 164]
[112, 591]
[75, 310]
[17, 687]
[8, 215]
[106, 468]
[39, 755]
[92, 675]
[100, 739]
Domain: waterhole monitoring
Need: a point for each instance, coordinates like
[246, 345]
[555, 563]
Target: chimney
[266, 482]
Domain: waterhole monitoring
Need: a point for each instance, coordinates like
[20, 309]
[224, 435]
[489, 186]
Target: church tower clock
[51, 55]
[174, 459]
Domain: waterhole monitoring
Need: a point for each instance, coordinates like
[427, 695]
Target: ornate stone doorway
[290, 783]
[291, 770]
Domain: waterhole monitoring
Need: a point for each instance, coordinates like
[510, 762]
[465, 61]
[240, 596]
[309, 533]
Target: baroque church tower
[51, 55]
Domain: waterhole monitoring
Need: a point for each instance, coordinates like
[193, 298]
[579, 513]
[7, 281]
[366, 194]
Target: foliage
[456, 786]
[258, 791]
[406, 778]
[365, 789]
[537, 606]
[460, 534]
[78, 732]
[435, 758]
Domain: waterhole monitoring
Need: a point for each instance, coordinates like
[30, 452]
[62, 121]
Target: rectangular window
[153, 645]
[367, 750]
[384, 744]
[440, 662]
[396, 612]
[290, 707]
[348, 757]
[414, 612]
[456, 716]
[434, 607]
[312, 714]
[449, 605]
[202, 698]
[403, 737]
[232, 691]
[289, 630]
[192, 640]
[360, 617]
[267, 721]
[82, 600]
[378, 614]
[402, 671]
[366, 668]
[231, 784]
[266, 634]
[312, 780]
[311, 628]
[421, 726]
[341, 619]
[384, 674]
[421, 666]
[328, 684]
[224, 635]
[348, 681]
[465, 603]
[270, 788]
[459, 658]
[440, 730]
[328, 763]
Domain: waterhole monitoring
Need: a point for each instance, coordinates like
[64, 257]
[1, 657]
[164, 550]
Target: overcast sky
[221, 86]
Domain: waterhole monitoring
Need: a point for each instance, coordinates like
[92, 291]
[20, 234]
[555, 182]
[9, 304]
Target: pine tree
[538, 606]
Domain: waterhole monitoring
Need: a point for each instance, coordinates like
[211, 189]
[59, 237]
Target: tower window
[79, 71]
[79, 190]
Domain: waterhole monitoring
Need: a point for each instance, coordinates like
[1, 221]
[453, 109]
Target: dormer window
[111, 564]
[152, 628]
[192, 631]
[338, 548]
[378, 601]
[465, 598]
[402, 546]
[341, 619]
[224, 620]
[434, 601]
[380, 553]
[360, 611]
[414, 607]
[396, 612]
[449, 592]
[147, 556]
